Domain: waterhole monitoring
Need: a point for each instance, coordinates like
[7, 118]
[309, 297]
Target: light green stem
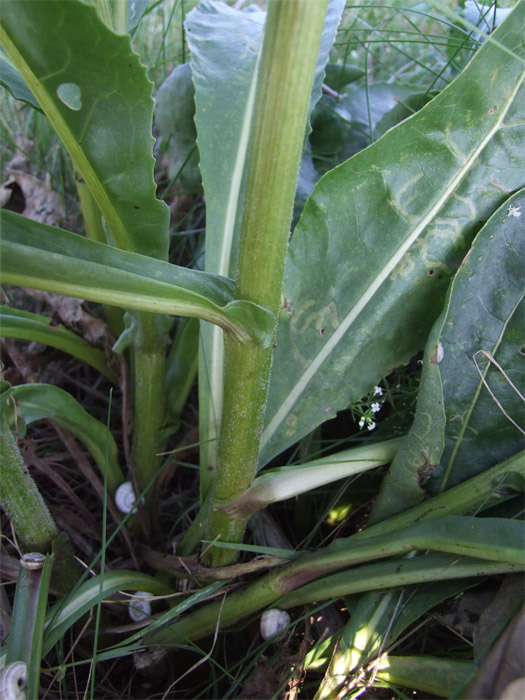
[465, 498]
[149, 400]
[289, 55]
[20, 498]
[267, 591]
[477, 493]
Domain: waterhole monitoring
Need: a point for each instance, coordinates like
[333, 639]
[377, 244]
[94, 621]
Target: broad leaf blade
[44, 257]
[224, 46]
[458, 423]
[485, 315]
[174, 118]
[95, 92]
[372, 255]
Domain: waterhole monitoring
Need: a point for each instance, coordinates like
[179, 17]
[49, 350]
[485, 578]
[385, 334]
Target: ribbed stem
[286, 73]
[149, 399]
[20, 498]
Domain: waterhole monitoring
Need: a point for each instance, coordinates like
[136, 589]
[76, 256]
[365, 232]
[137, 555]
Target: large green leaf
[479, 429]
[44, 257]
[224, 45]
[372, 255]
[459, 424]
[403, 485]
[95, 92]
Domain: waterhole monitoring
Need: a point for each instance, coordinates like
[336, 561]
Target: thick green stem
[20, 498]
[479, 492]
[269, 590]
[465, 498]
[289, 55]
[149, 399]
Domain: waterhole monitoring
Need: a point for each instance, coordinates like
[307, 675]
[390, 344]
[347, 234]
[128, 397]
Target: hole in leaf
[431, 273]
[522, 349]
[70, 95]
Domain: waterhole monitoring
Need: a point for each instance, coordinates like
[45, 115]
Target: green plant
[306, 328]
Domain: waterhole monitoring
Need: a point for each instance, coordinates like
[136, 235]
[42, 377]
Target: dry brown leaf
[41, 203]
[73, 316]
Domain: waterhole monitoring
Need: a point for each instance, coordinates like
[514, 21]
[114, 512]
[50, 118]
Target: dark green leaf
[372, 255]
[484, 312]
[367, 107]
[338, 75]
[95, 92]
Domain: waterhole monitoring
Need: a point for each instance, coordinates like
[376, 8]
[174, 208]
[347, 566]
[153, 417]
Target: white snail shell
[33, 561]
[13, 681]
[125, 498]
[273, 622]
[140, 609]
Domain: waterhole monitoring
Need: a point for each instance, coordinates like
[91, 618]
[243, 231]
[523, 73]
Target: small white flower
[378, 391]
[371, 425]
[376, 407]
[362, 422]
